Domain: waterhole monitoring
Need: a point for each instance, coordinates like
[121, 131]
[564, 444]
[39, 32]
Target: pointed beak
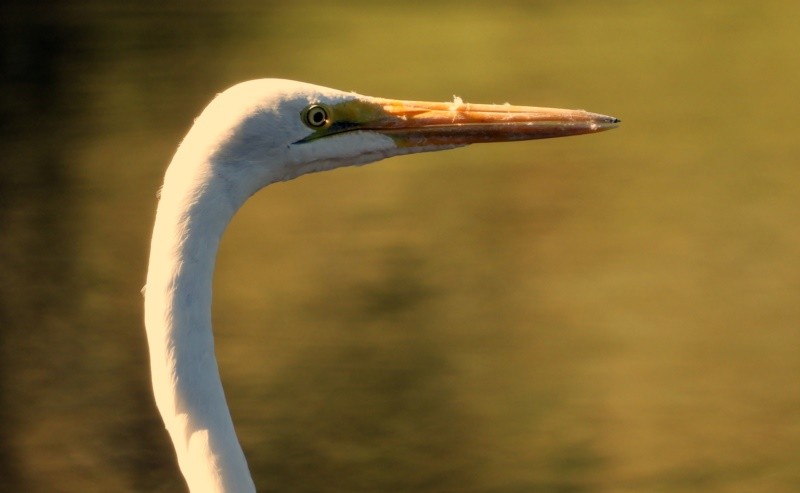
[422, 124]
[419, 123]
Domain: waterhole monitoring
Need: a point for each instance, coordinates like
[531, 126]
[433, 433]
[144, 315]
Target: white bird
[251, 135]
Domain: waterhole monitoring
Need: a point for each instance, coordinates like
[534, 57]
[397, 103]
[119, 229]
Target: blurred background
[608, 313]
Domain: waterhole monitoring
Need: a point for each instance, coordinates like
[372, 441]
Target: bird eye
[315, 116]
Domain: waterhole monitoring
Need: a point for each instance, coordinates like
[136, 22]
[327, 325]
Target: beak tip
[606, 118]
[607, 122]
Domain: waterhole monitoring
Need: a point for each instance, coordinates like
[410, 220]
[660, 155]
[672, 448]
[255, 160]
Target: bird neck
[193, 212]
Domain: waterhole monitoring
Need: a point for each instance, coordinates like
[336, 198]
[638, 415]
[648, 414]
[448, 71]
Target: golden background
[609, 313]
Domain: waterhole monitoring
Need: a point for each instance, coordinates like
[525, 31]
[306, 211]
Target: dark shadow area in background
[57, 401]
[35, 200]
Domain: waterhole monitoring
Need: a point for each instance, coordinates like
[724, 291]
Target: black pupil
[317, 116]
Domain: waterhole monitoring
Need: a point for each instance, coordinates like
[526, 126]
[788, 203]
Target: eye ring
[316, 116]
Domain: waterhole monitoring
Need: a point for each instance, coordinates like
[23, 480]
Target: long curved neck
[193, 212]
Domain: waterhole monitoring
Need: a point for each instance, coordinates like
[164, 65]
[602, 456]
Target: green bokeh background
[610, 313]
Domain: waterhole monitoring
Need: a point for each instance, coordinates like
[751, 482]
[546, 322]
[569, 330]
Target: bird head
[269, 130]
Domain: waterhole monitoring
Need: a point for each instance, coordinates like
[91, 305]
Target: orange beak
[419, 123]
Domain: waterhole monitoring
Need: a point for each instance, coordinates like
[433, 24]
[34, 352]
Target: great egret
[251, 135]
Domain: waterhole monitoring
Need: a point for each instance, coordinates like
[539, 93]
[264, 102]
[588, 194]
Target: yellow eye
[315, 116]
